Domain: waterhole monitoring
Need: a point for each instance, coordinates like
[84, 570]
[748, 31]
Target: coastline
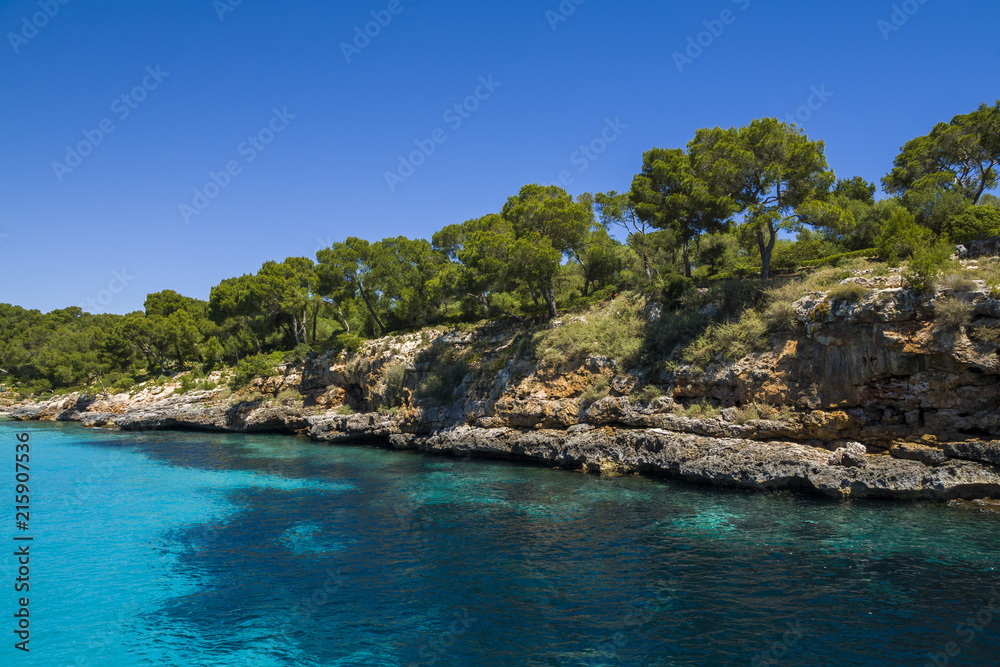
[863, 399]
[771, 465]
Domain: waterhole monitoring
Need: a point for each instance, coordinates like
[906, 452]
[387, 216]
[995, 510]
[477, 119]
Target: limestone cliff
[880, 397]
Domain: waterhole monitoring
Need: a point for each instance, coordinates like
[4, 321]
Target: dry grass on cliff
[613, 329]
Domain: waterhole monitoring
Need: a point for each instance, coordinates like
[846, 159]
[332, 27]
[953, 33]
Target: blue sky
[210, 85]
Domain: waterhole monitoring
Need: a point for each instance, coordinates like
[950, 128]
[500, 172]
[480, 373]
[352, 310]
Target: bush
[958, 282]
[613, 330]
[730, 340]
[595, 392]
[848, 293]
[446, 374]
[288, 394]
[259, 365]
[702, 410]
[299, 354]
[394, 376]
[952, 314]
[345, 410]
[123, 384]
[835, 260]
[675, 288]
[976, 223]
[349, 342]
[647, 394]
[901, 236]
[761, 411]
[927, 264]
[187, 384]
[780, 317]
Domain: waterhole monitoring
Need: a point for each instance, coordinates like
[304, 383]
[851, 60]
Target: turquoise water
[201, 549]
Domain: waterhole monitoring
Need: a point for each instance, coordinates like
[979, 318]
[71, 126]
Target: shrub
[675, 288]
[445, 376]
[730, 340]
[780, 317]
[702, 410]
[595, 392]
[647, 394]
[974, 224]
[394, 376]
[958, 282]
[848, 292]
[952, 314]
[259, 365]
[288, 394]
[299, 354]
[345, 410]
[187, 384]
[927, 264]
[901, 236]
[349, 342]
[123, 384]
[748, 413]
[613, 330]
[986, 335]
[762, 411]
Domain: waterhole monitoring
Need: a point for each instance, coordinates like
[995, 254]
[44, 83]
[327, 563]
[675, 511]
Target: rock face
[872, 398]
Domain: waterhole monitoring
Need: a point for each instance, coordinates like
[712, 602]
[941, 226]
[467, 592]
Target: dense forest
[758, 200]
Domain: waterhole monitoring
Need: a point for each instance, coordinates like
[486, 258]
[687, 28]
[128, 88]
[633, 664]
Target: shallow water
[203, 549]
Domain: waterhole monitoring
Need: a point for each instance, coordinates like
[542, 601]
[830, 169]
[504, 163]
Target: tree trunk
[315, 320]
[646, 264]
[550, 299]
[364, 297]
[766, 248]
[686, 254]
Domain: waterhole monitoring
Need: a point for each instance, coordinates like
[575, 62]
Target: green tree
[547, 224]
[617, 210]
[345, 271]
[777, 178]
[961, 155]
[668, 194]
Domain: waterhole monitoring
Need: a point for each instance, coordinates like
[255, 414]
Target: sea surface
[200, 549]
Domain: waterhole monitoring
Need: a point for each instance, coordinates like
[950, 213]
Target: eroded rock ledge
[966, 470]
[873, 399]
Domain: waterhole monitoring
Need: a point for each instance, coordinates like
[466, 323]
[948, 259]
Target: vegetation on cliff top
[698, 223]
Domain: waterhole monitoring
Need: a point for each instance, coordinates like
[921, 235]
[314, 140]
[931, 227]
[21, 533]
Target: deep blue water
[196, 549]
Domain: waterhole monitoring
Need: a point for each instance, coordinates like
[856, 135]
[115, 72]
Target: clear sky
[310, 127]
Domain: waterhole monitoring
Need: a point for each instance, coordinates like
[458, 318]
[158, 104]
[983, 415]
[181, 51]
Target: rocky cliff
[888, 395]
